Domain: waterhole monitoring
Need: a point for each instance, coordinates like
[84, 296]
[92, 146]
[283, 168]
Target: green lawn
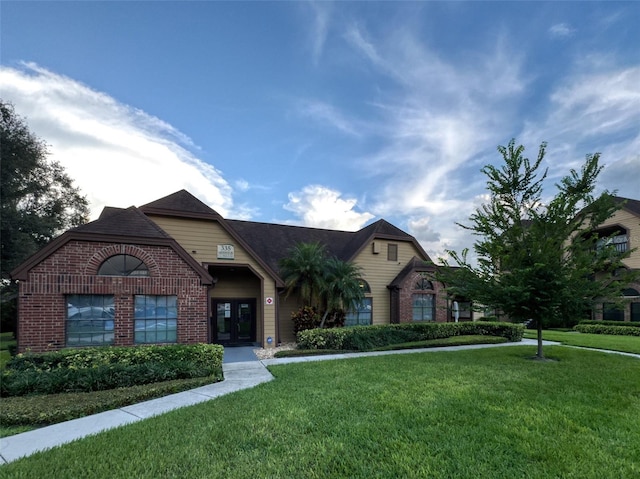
[627, 344]
[490, 413]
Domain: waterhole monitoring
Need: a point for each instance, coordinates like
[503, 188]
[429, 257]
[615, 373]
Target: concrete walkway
[238, 375]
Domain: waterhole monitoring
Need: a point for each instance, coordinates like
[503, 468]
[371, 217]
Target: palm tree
[303, 271]
[341, 288]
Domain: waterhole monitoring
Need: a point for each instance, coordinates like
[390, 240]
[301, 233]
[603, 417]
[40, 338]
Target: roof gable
[628, 204]
[181, 203]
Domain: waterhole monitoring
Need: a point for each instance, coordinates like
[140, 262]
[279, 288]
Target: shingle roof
[415, 264]
[123, 222]
[271, 242]
[183, 203]
[629, 204]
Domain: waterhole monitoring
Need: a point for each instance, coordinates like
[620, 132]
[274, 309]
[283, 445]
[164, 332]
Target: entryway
[234, 321]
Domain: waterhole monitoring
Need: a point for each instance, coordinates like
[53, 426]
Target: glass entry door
[234, 321]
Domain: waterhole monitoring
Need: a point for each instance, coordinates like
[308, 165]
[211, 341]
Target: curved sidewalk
[238, 376]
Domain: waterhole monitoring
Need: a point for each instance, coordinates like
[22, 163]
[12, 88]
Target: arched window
[364, 286]
[424, 284]
[123, 265]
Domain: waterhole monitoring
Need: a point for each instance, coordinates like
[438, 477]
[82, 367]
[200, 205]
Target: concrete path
[238, 375]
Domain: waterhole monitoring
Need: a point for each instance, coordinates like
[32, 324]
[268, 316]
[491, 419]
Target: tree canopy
[38, 200]
[538, 258]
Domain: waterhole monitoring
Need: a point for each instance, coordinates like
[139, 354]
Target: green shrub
[364, 338]
[305, 318]
[612, 323]
[98, 369]
[605, 329]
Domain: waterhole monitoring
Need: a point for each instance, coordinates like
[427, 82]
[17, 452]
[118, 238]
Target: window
[155, 319]
[90, 319]
[392, 252]
[123, 265]
[423, 307]
[364, 286]
[423, 284]
[612, 313]
[361, 316]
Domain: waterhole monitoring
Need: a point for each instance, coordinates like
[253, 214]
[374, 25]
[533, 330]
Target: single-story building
[175, 271]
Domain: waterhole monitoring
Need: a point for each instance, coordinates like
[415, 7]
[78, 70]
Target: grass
[627, 344]
[489, 413]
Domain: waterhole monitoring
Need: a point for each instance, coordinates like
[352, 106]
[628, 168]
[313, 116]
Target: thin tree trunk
[324, 317]
[539, 355]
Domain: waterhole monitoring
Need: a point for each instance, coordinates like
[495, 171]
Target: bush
[612, 323]
[606, 329]
[364, 338]
[97, 369]
[305, 318]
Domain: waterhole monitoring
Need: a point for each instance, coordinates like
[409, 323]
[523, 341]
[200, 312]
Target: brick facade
[72, 269]
[408, 289]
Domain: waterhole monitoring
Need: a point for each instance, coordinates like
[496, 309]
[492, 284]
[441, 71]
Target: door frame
[234, 341]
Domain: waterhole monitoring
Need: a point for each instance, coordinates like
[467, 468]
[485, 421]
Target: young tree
[324, 283]
[37, 198]
[341, 289]
[538, 260]
[303, 271]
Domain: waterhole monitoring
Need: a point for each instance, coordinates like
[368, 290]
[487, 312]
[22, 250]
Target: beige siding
[380, 272]
[200, 238]
[287, 307]
[632, 223]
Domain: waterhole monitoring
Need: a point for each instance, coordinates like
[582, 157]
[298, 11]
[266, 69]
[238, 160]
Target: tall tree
[535, 259]
[37, 198]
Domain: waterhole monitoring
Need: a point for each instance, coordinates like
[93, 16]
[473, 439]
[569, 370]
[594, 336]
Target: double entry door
[234, 321]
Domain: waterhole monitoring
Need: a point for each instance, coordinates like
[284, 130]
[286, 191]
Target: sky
[323, 114]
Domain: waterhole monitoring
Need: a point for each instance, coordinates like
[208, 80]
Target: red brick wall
[407, 290]
[72, 269]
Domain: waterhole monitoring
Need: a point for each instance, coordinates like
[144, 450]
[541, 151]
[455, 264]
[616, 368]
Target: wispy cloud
[110, 149]
[321, 207]
[320, 27]
[561, 30]
[327, 114]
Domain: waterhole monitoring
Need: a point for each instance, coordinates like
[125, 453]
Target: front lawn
[489, 413]
[627, 344]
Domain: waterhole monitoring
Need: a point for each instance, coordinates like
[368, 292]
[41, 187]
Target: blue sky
[323, 114]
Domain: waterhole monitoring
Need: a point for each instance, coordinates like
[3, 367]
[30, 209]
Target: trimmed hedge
[605, 329]
[99, 369]
[364, 338]
[612, 323]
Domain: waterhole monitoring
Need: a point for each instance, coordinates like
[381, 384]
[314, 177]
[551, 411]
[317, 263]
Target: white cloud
[561, 30]
[117, 155]
[591, 112]
[321, 207]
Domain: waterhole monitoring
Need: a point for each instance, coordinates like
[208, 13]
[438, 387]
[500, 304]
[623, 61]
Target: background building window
[156, 319]
[392, 252]
[123, 265]
[90, 319]
[423, 307]
[361, 316]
